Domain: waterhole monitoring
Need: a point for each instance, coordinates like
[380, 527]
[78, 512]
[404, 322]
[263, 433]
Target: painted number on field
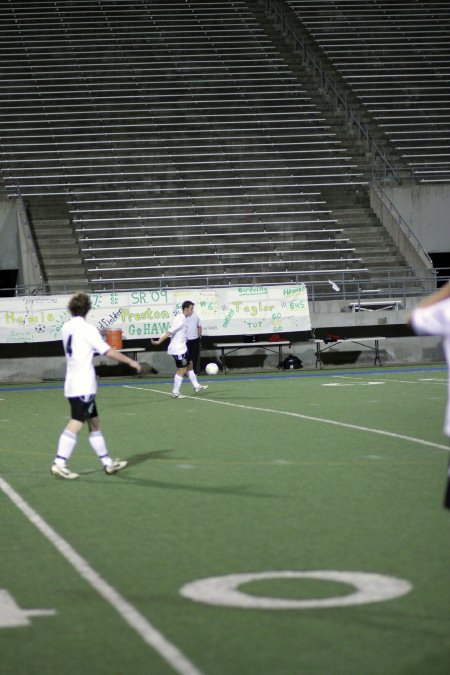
[12, 616]
[224, 591]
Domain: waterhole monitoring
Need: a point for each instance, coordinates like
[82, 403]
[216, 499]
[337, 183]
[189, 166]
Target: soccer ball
[212, 368]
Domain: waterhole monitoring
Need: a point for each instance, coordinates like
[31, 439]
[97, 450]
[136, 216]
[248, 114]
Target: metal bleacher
[395, 56]
[185, 148]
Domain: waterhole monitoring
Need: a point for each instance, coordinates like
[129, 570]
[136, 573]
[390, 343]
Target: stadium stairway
[56, 245]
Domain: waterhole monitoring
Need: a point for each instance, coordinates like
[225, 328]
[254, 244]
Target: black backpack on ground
[292, 362]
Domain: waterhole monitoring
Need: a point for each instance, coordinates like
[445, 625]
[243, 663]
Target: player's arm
[123, 358]
[161, 339]
[441, 294]
[97, 343]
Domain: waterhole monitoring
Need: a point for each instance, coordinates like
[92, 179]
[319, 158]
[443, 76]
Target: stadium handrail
[398, 228]
[352, 284]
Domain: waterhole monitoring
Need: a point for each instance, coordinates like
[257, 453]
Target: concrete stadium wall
[426, 209]
[9, 250]
[393, 351]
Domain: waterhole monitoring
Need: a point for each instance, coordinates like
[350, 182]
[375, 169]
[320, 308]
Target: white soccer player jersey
[193, 325]
[178, 328]
[435, 320]
[81, 340]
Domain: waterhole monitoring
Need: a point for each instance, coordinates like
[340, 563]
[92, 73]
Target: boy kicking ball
[178, 349]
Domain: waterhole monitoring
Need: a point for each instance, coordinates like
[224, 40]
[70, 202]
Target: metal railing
[340, 286]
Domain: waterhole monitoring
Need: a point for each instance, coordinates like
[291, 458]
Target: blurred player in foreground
[81, 342]
[178, 349]
[432, 317]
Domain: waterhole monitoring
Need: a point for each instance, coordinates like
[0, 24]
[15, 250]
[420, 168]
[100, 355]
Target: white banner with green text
[233, 310]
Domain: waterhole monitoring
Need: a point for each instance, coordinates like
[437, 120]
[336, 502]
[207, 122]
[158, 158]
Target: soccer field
[322, 489]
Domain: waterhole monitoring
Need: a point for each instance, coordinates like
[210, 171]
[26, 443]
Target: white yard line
[433, 380]
[419, 381]
[130, 614]
[323, 420]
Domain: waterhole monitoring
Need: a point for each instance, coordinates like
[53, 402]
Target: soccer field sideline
[253, 376]
[322, 420]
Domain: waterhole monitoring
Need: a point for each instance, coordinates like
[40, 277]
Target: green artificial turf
[251, 476]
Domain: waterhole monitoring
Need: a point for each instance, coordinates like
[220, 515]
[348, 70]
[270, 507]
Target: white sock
[177, 382]
[66, 444]
[97, 442]
[193, 378]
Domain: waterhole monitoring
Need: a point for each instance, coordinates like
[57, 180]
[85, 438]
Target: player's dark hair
[186, 304]
[79, 304]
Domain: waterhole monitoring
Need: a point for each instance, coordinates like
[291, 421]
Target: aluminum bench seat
[101, 236]
[335, 248]
[155, 280]
[177, 263]
[236, 251]
[178, 224]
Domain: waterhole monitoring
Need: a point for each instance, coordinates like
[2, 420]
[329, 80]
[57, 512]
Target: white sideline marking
[310, 418]
[421, 379]
[392, 379]
[350, 384]
[130, 614]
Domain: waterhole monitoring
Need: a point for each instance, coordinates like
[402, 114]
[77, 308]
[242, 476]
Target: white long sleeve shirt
[435, 320]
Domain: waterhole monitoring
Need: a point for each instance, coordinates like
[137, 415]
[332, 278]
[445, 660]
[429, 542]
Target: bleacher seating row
[185, 147]
[394, 55]
[171, 128]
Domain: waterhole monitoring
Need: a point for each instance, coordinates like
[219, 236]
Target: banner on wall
[237, 310]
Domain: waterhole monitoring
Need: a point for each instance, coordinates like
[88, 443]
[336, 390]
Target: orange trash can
[114, 338]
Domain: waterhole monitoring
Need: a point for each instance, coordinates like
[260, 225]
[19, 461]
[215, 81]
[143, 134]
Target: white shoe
[117, 465]
[201, 387]
[175, 394]
[62, 472]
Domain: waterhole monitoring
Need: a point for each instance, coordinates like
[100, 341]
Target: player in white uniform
[81, 341]
[194, 334]
[432, 317]
[178, 349]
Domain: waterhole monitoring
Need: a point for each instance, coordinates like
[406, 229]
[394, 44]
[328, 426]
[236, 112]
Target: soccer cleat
[62, 472]
[117, 465]
[201, 387]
